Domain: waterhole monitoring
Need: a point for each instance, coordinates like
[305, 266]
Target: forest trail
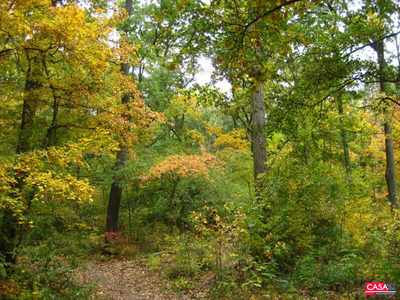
[130, 280]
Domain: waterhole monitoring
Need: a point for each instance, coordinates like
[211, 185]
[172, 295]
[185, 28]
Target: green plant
[40, 275]
[336, 274]
[182, 283]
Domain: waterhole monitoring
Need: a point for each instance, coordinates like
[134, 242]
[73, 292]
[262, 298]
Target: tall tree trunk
[259, 140]
[390, 174]
[114, 200]
[9, 224]
[29, 108]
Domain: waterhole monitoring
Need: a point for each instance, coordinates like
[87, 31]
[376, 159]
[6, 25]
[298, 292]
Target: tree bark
[9, 224]
[29, 108]
[114, 200]
[390, 174]
[259, 145]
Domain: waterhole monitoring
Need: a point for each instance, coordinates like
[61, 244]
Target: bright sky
[204, 76]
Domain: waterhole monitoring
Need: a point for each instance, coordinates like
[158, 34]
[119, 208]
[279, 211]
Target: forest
[282, 185]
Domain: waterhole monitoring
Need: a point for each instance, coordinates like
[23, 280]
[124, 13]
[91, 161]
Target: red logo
[380, 288]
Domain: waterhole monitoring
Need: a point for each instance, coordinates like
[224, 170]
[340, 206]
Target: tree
[259, 139]
[246, 36]
[377, 19]
[174, 168]
[163, 35]
[390, 174]
[114, 200]
[60, 81]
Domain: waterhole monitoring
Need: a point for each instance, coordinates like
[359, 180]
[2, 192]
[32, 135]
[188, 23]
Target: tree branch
[4, 52]
[371, 44]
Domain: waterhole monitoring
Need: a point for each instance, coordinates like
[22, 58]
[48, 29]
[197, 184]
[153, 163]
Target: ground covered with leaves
[124, 279]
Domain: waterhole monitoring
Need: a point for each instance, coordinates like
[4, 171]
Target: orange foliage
[178, 166]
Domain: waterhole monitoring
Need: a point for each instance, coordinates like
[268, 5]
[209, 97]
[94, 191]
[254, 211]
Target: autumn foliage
[100, 102]
[181, 166]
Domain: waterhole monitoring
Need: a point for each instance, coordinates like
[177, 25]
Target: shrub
[39, 275]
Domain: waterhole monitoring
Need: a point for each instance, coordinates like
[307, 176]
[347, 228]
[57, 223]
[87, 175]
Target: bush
[337, 274]
[39, 275]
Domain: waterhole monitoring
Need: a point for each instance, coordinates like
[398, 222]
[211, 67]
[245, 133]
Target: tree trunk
[9, 225]
[29, 108]
[390, 174]
[8, 236]
[259, 145]
[114, 201]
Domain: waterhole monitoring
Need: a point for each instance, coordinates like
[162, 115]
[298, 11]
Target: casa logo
[380, 288]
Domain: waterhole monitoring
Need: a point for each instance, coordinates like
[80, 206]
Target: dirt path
[128, 280]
